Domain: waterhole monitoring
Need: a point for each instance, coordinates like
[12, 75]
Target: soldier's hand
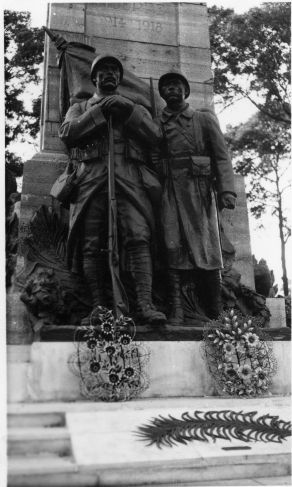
[104, 105]
[118, 106]
[227, 200]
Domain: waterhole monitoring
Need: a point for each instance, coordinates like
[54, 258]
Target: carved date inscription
[140, 24]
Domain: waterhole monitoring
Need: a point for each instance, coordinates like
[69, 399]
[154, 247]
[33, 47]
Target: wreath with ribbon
[239, 355]
[110, 365]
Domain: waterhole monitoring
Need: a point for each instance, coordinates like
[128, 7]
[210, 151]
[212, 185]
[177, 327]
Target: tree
[261, 150]
[251, 57]
[23, 55]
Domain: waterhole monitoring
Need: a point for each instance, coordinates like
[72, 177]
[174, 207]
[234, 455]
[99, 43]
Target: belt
[197, 165]
[96, 150]
[182, 161]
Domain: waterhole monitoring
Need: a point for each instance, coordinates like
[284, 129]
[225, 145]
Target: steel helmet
[100, 59]
[174, 74]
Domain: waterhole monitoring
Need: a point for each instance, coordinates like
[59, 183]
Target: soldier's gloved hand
[227, 200]
[104, 105]
[117, 106]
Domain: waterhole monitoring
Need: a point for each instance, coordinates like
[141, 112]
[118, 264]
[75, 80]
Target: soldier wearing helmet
[196, 172]
[85, 130]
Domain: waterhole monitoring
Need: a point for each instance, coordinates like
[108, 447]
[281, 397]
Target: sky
[265, 242]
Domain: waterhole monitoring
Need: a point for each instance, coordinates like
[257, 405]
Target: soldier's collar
[167, 113]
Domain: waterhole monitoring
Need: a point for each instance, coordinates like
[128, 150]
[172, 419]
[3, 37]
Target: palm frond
[44, 246]
[46, 243]
[226, 424]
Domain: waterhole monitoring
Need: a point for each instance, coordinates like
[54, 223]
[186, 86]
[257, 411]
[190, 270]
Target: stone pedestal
[236, 228]
[39, 175]
[40, 372]
[278, 312]
[19, 329]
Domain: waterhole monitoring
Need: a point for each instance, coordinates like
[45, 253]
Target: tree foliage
[23, 55]
[261, 150]
[251, 57]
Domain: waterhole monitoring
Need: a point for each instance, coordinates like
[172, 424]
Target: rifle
[120, 300]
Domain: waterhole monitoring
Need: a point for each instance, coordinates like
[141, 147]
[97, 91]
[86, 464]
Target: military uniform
[195, 168]
[85, 132]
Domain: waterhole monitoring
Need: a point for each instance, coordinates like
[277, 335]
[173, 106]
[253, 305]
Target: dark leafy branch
[261, 151]
[23, 55]
[212, 425]
[251, 57]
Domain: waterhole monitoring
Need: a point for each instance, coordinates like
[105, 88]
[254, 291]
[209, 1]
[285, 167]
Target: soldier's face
[108, 76]
[173, 91]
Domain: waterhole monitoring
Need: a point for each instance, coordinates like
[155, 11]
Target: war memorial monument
[133, 238]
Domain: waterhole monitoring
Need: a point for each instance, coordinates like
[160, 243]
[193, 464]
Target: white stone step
[286, 480]
[35, 419]
[52, 479]
[278, 402]
[31, 441]
[40, 465]
[180, 474]
[47, 471]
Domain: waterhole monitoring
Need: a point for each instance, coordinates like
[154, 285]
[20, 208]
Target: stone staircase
[39, 451]
[40, 454]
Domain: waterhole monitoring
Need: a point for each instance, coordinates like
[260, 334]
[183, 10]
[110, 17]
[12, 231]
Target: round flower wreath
[111, 367]
[239, 356]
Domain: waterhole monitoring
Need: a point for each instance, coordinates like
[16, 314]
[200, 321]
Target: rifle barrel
[120, 301]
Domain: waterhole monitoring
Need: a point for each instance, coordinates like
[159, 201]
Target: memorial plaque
[152, 23]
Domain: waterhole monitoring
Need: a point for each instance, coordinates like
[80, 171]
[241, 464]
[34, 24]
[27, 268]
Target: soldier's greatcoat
[196, 169]
[85, 128]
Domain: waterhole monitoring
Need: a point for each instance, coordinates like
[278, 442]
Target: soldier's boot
[212, 290]
[176, 314]
[94, 270]
[141, 270]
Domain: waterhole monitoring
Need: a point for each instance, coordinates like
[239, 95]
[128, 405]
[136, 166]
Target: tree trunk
[282, 238]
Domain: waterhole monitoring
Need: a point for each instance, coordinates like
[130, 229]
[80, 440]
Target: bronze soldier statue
[198, 180]
[85, 128]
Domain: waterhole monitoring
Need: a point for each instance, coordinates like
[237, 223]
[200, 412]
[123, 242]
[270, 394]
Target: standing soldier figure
[86, 129]
[196, 172]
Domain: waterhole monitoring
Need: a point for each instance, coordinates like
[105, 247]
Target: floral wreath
[239, 355]
[111, 367]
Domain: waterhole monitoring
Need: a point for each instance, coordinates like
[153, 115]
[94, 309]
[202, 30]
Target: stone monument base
[40, 372]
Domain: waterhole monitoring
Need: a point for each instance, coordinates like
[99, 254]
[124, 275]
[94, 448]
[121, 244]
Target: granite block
[175, 369]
